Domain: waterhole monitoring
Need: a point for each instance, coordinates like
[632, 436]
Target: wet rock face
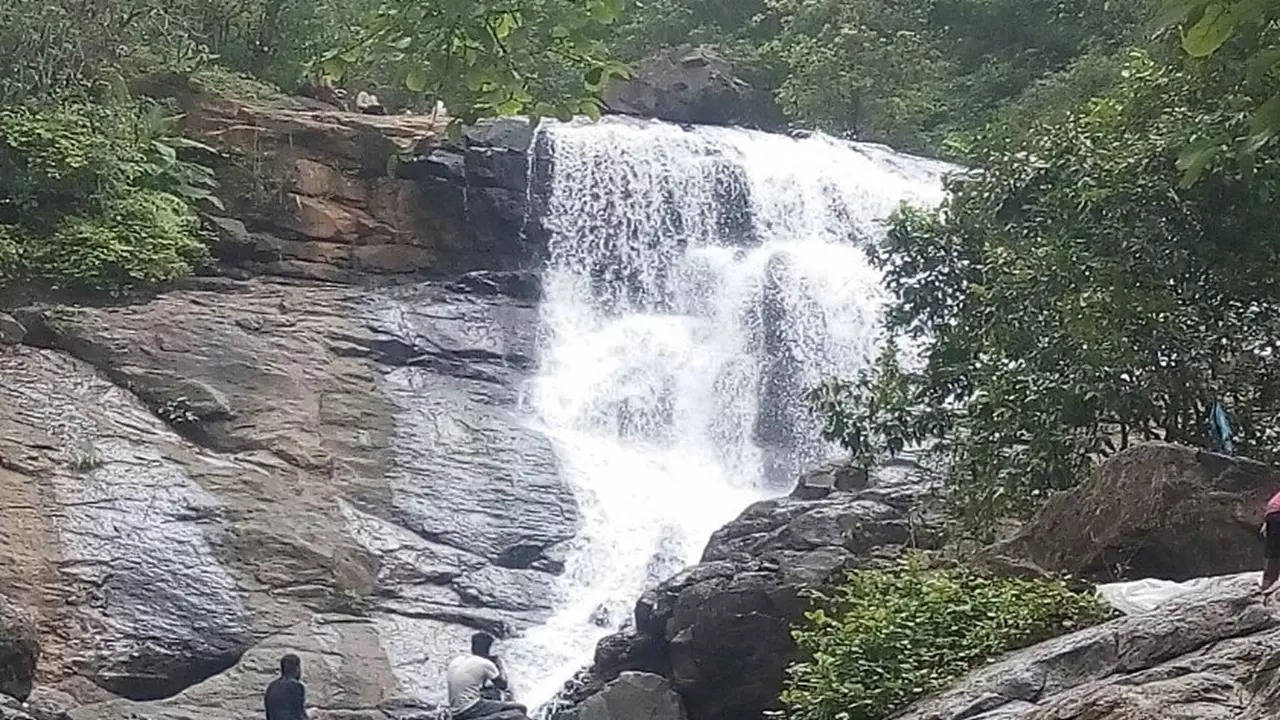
[149, 607]
[11, 709]
[720, 631]
[634, 696]
[1207, 656]
[197, 484]
[19, 651]
[1155, 510]
[338, 196]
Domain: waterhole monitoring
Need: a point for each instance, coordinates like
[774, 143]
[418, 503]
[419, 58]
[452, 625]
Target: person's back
[286, 696]
[466, 677]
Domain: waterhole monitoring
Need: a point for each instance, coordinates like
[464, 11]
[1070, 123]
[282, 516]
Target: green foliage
[222, 82]
[97, 189]
[864, 67]
[485, 57]
[351, 601]
[875, 417]
[84, 457]
[52, 49]
[887, 637]
[1237, 39]
[142, 237]
[1076, 299]
[178, 412]
[911, 74]
[97, 196]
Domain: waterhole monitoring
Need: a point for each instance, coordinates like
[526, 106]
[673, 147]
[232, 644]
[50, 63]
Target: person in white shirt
[468, 677]
[368, 103]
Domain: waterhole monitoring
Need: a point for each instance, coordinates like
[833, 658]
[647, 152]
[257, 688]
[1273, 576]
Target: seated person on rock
[368, 103]
[286, 696]
[324, 91]
[473, 678]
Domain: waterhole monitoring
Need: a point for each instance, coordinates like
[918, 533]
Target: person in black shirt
[286, 696]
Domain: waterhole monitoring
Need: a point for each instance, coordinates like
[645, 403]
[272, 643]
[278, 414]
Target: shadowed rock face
[634, 696]
[19, 651]
[720, 631]
[194, 485]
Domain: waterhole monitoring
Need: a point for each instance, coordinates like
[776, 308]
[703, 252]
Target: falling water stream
[700, 280]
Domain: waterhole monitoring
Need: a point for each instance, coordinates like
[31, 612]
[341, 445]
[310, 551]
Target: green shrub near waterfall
[888, 637]
[1100, 282]
[96, 196]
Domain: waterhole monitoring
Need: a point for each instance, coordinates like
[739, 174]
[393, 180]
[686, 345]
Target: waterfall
[700, 280]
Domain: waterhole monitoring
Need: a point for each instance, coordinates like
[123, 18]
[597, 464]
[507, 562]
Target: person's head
[481, 644]
[291, 666]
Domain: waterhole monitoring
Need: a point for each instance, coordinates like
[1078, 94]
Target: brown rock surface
[337, 196]
[1155, 510]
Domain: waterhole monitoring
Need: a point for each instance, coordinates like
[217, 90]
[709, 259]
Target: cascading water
[700, 280]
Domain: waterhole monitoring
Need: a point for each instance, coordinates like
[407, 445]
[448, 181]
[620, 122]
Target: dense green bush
[56, 49]
[97, 196]
[877, 415]
[1078, 295]
[908, 73]
[887, 637]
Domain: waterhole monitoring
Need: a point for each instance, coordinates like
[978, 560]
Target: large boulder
[1155, 510]
[1207, 655]
[199, 483]
[11, 709]
[721, 630]
[691, 84]
[11, 331]
[634, 696]
[19, 651]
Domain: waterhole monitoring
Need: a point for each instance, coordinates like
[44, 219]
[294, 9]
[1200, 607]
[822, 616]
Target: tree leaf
[416, 80]
[1263, 125]
[1197, 158]
[1214, 28]
[1263, 63]
[606, 11]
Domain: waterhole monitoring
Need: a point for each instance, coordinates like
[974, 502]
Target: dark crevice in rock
[525, 286]
[520, 557]
[165, 683]
[494, 625]
[395, 352]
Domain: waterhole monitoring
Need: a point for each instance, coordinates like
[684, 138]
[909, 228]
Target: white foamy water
[700, 280]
